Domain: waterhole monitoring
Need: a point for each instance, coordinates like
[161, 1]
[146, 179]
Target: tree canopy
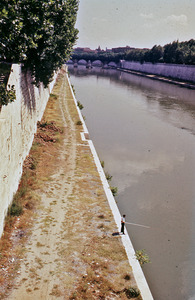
[39, 34]
[175, 53]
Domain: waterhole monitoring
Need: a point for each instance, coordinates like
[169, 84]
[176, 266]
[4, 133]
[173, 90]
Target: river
[144, 131]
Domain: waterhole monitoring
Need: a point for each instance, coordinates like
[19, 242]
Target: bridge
[95, 63]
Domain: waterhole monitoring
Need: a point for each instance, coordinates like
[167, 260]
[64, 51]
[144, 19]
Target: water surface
[144, 130]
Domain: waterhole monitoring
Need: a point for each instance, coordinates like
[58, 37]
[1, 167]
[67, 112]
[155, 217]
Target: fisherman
[123, 224]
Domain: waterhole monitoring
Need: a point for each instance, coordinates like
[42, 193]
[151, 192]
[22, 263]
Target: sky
[134, 23]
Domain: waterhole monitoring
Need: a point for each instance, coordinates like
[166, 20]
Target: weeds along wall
[181, 72]
[18, 123]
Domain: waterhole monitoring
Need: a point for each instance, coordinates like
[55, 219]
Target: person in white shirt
[123, 224]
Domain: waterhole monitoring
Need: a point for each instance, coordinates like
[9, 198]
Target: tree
[156, 54]
[38, 34]
[135, 55]
[170, 51]
[188, 52]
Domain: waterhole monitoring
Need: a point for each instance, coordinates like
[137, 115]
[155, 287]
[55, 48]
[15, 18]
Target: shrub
[43, 124]
[114, 190]
[73, 89]
[79, 122]
[79, 105]
[102, 163]
[127, 277]
[15, 209]
[132, 292]
[142, 257]
[108, 176]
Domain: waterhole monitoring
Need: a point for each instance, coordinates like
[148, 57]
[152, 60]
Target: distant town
[99, 50]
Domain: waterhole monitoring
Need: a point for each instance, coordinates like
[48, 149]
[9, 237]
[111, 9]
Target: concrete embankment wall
[18, 123]
[181, 72]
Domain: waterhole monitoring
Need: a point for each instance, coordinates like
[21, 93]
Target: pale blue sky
[136, 23]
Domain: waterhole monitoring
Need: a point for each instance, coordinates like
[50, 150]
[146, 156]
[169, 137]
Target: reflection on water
[168, 96]
[144, 131]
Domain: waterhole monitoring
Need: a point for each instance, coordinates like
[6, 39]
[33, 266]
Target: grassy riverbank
[62, 246]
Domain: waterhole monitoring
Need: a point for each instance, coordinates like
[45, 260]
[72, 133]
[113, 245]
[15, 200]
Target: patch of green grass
[108, 176]
[53, 96]
[15, 209]
[79, 123]
[132, 292]
[114, 190]
[102, 163]
[79, 105]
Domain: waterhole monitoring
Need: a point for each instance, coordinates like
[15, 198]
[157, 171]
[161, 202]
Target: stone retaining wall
[18, 123]
[181, 72]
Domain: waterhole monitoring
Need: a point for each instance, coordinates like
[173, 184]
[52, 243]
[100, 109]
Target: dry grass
[37, 168]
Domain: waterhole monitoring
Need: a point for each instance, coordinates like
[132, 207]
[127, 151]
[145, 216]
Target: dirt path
[71, 253]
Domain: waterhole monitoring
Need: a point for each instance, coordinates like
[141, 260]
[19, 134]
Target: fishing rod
[137, 225]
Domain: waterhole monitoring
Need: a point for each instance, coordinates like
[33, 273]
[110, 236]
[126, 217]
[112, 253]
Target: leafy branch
[7, 95]
[38, 34]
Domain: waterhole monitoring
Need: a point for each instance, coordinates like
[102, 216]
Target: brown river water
[144, 131]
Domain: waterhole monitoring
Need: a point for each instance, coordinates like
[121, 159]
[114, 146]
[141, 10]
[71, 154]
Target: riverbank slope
[180, 83]
[71, 252]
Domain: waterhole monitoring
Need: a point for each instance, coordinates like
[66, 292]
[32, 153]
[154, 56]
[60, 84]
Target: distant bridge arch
[82, 62]
[70, 62]
[97, 63]
[94, 63]
[112, 64]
